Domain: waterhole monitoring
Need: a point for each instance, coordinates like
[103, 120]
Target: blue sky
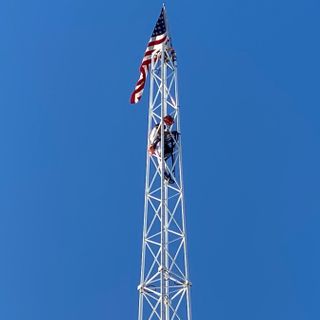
[73, 156]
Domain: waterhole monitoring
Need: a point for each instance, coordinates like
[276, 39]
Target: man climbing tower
[170, 140]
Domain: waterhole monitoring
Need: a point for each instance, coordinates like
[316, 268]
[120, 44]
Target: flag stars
[160, 27]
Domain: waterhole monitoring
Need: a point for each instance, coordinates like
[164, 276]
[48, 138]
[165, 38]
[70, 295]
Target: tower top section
[158, 40]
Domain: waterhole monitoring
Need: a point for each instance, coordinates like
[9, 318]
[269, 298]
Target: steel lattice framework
[164, 289]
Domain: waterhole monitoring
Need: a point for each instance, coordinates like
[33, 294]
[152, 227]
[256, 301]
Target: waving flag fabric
[158, 37]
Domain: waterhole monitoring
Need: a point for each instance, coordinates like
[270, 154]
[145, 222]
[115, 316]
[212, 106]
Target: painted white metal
[164, 289]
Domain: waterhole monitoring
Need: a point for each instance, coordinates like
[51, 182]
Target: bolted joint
[140, 288]
[187, 284]
[166, 300]
[164, 270]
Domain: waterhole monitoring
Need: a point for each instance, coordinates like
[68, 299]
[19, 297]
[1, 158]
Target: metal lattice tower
[164, 289]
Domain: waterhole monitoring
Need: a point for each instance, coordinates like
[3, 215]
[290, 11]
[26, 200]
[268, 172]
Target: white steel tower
[164, 289]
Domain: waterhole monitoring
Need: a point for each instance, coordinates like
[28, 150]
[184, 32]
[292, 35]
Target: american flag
[158, 37]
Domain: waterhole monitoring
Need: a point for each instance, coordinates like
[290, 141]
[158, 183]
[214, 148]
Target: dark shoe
[168, 178]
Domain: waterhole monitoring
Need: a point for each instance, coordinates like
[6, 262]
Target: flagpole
[164, 218]
[166, 21]
[164, 188]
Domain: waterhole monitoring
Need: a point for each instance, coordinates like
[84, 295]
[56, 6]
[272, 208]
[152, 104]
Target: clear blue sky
[73, 156]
